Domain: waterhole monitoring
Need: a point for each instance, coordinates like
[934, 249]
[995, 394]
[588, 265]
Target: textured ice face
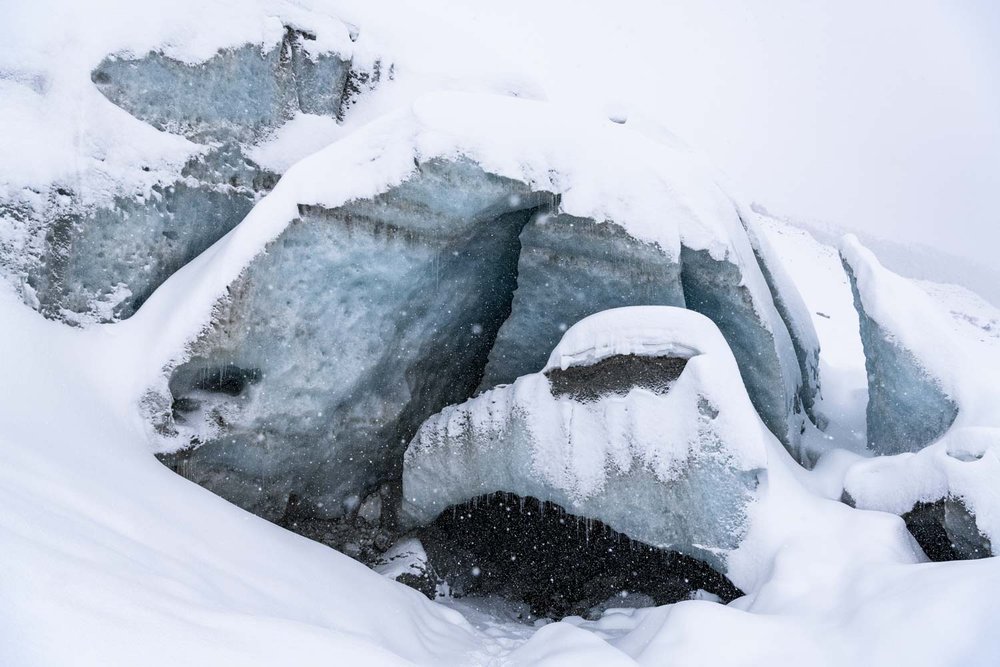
[241, 93]
[907, 408]
[570, 268]
[100, 262]
[355, 325]
[693, 451]
[716, 289]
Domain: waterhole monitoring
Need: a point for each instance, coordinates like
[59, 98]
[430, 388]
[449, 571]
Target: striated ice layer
[355, 325]
[908, 408]
[691, 447]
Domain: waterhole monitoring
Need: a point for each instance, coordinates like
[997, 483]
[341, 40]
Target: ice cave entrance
[535, 553]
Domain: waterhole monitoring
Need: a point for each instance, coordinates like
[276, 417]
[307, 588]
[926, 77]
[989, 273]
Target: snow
[295, 140]
[131, 564]
[646, 332]
[111, 559]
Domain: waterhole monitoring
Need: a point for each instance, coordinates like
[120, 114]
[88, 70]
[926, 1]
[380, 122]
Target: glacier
[277, 297]
[688, 446]
[907, 406]
[933, 406]
[319, 402]
[312, 387]
[99, 261]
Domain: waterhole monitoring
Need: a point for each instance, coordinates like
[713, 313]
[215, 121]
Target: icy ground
[107, 557]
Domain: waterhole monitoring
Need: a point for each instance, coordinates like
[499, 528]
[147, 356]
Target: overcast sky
[883, 116]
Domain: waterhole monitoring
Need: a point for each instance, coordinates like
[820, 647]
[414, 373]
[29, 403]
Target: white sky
[882, 116]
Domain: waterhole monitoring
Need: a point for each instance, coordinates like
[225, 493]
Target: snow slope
[129, 563]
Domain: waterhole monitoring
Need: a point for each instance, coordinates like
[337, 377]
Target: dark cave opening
[534, 552]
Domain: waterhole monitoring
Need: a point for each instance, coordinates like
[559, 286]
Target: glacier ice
[355, 325]
[933, 404]
[99, 262]
[103, 263]
[686, 447]
[240, 94]
[719, 290]
[792, 309]
[365, 314]
[571, 267]
[907, 407]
